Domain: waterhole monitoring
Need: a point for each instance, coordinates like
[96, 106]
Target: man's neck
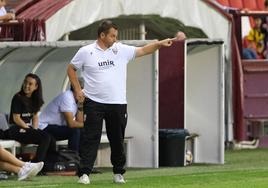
[101, 45]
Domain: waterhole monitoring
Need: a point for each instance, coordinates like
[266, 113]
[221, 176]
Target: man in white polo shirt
[62, 118]
[104, 69]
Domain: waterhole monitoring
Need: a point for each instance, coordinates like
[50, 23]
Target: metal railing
[11, 31]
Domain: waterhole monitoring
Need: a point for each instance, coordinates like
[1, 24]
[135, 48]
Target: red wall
[171, 86]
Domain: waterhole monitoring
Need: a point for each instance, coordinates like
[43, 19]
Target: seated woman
[24, 170]
[24, 119]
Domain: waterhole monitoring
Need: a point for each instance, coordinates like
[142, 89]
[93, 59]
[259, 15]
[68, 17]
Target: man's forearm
[152, 47]
[80, 113]
[73, 78]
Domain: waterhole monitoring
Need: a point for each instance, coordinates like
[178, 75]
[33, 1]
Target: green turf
[242, 169]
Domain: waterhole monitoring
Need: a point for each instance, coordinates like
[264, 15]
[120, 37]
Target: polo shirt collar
[99, 48]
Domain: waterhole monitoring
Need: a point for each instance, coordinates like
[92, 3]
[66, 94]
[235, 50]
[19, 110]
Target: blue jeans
[249, 53]
[63, 133]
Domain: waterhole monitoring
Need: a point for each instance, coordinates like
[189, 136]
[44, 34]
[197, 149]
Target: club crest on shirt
[115, 50]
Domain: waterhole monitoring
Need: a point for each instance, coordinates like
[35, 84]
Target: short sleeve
[66, 104]
[79, 59]
[16, 105]
[128, 51]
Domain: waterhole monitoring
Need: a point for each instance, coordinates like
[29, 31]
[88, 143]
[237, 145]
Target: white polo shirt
[104, 71]
[53, 112]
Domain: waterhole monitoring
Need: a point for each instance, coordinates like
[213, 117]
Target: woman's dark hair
[37, 95]
[105, 26]
[266, 3]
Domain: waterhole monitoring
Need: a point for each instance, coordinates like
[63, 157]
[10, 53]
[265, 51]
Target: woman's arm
[18, 121]
[35, 121]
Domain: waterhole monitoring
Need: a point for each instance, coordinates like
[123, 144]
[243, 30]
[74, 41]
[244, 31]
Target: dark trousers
[46, 144]
[65, 132]
[115, 116]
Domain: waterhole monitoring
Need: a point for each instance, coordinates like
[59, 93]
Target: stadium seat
[236, 4]
[250, 4]
[224, 2]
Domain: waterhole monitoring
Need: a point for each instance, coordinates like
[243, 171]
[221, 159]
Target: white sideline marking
[54, 185]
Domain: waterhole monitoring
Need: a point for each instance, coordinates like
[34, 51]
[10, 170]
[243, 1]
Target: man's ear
[102, 35]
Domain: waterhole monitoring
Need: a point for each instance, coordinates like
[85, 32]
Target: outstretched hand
[166, 42]
[179, 36]
[152, 47]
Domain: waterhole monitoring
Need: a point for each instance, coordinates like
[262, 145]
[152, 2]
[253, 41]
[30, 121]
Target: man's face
[110, 38]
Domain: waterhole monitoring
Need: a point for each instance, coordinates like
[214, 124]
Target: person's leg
[46, 145]
[52, 145]
[9, 162]
[116, 120]
[56, 132]
[63, 133]
[90, 136]
[30, 136]
[6, 156]
[74, 139]
[33, 136]
[248, 53]
[9, 167]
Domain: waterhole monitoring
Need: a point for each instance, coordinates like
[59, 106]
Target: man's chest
[99, 61]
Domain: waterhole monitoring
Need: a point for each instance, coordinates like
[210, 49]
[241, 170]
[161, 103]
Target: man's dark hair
[105, 26]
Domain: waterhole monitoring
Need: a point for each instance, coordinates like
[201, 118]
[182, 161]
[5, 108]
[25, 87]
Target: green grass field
[242, 169]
